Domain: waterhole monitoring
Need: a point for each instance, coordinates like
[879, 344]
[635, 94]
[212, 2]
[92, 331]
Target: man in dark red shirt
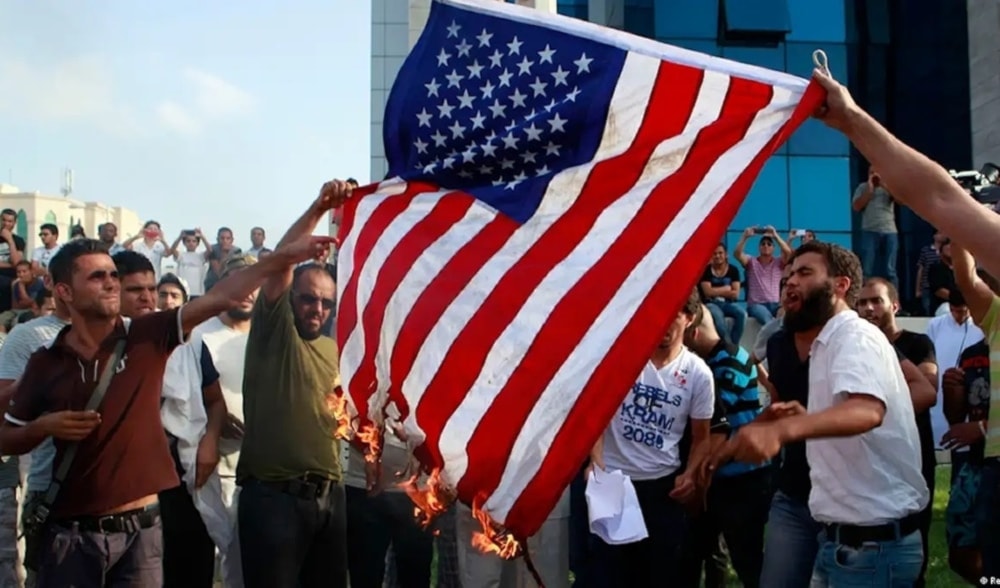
[104, 528]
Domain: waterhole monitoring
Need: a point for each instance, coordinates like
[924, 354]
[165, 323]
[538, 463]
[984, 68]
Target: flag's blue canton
[496, 107]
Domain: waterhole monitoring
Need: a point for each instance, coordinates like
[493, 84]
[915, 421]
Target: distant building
[35, 209]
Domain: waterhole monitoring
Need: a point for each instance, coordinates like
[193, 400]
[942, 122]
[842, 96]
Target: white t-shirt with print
[643, 437]
[154, 254]
[191, 267]
[43, 256]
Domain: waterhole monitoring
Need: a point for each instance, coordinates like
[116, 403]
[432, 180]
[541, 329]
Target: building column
[984, 80]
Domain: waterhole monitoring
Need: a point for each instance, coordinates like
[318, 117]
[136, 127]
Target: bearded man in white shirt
[861, 438]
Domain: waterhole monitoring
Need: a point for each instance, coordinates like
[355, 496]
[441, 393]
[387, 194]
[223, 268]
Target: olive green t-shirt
[286, 379]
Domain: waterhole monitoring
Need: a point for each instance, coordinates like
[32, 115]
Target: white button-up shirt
[875, 477]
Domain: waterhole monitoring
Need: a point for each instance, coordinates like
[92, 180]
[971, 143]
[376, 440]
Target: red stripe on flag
[448, 211]
[432, 303]
[380, 219]
[677, 89]
[574, 315]
[603, 393]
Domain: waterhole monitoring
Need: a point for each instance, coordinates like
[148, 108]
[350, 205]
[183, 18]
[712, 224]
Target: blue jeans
[988, 517]
[892, 564]
[790, 544]
[720, 312]
[878, 255]
[763, 312]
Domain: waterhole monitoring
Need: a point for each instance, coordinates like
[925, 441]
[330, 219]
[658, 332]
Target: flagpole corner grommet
[820, 60]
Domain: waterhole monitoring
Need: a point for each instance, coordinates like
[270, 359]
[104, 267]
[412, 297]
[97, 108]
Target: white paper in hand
[613, 508]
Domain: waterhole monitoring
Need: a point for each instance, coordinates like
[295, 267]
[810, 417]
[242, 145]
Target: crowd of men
[180, 429]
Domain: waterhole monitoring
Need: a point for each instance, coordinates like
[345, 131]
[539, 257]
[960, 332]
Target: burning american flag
[555, 189]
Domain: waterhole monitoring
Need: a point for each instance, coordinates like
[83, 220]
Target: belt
[129, 521]
[856, 536]
[307, 487]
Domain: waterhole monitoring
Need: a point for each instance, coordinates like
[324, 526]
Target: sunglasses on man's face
[310, 300]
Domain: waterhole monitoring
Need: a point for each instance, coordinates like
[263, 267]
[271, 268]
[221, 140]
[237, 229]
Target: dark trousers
[84, 559]
[375, 522]
[738, 507]
[288, 541]
[652, 562]
[188, 550]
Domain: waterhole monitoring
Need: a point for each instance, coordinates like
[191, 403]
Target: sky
[195, 114]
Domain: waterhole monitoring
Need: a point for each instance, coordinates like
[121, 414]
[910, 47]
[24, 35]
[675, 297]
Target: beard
[238, 314]
[815, 308]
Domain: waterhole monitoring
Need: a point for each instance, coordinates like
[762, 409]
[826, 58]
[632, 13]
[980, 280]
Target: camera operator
[879, 236]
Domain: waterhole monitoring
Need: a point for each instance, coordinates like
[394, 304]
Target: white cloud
[213, 99]
[76, 89]
[216, 98]
[174, 117]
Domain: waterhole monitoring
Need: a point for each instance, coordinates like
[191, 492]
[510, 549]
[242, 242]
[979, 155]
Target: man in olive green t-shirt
[292, 521]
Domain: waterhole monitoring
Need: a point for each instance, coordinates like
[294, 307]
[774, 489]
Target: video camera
[981, 184]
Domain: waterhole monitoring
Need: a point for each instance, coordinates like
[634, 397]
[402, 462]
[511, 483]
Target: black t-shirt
[940, 276]
[919, 349]
[10, 272]
[731, 276]
[975, 362]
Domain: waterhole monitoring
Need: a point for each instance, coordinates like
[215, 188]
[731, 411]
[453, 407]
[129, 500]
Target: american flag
[554, 190]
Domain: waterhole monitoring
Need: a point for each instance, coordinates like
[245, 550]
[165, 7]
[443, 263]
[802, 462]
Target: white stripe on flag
[635, 82]
[551, 410]
[510, 348]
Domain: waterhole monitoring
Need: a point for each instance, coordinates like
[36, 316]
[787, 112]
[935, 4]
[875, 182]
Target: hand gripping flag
[554, 191]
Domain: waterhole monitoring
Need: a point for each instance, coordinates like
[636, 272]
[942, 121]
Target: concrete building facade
[35, 209]
[984, 79]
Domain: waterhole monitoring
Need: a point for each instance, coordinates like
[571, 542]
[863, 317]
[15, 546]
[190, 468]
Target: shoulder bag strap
[96, 398]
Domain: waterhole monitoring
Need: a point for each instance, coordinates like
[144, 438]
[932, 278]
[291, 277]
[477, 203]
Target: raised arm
[236, 287]
[913, 179]
[331, 195]
[738, 252]
[977, 294]
[786, 249]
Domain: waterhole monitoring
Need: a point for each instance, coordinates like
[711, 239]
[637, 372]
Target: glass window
[820, 189]
[686, 19]
[817, 20]
[21, 228]
[842, 238]
[702, 46]
[767, 202]
[769, 57]
[756, 16]
[813, 137]
[639, 21]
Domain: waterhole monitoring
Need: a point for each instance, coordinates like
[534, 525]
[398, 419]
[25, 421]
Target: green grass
[939, 575]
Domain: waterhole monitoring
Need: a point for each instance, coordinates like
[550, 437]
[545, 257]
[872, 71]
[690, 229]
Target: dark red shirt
[126, 458]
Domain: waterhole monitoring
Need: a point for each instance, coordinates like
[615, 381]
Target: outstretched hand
[307, 247]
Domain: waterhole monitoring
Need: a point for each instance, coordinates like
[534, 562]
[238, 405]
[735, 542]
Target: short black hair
[50, 228]
[956, 298]
[692, 306]
[151, 222]
[62, 263]
[173, 279]
[224, 230]
[77, 230]
[42, 295]
[840, 263]
[307, 268]
[131, 262]
[889, 287]
[8, 211]
[24, 262]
